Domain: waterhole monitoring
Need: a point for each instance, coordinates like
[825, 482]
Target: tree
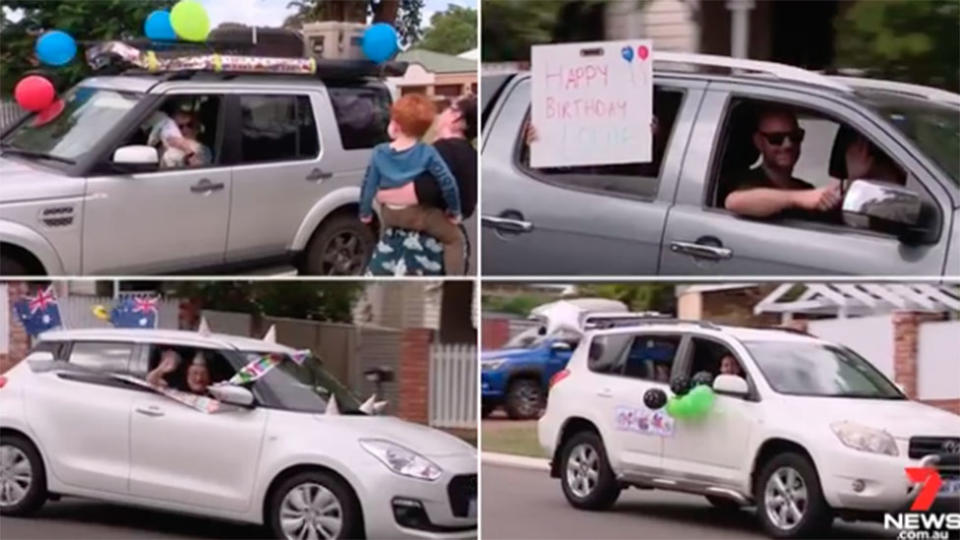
[637, 296]
[86, 20]
[315, 300]
[910, 41]
[511, 26]
[387, 11]
[456, 309]
[452, 31]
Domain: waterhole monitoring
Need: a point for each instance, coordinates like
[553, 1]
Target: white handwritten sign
[592, 103]
[643, 420]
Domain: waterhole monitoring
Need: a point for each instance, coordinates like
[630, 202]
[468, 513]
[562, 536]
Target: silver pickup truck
[667, 216]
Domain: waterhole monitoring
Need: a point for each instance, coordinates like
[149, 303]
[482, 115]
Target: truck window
[277, 128]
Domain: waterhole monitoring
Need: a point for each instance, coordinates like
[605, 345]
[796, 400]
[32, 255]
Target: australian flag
[39, 313]
[135, 312]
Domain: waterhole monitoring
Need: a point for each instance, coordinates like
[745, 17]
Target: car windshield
[532, 338]
[932, 126]
[817, 369]
[88, 115]
[306, 387]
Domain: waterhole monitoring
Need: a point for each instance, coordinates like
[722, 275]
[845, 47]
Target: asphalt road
[521, 503]
[72, 518]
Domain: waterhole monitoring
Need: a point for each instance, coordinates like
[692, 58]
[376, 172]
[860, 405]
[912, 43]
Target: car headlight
[492, 365]
[865, 439]
[402, 460]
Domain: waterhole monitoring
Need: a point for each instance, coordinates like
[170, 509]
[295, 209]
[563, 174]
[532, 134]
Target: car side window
[53, 347]
[218, 367]
[633, 179]
[647, 357]
[819, 149]
[102, 356]
[184, 130]
[362, 114]
[714, 358]
[277, 128]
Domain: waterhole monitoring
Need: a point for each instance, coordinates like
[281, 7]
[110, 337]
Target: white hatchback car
[278, 455]
[806, 431]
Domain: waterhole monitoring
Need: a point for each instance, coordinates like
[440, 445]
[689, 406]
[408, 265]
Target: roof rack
[780, 71]
[603, 321]
[916, 90]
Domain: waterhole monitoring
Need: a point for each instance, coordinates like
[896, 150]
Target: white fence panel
[453, 386]
[938, 371]
[871, 337]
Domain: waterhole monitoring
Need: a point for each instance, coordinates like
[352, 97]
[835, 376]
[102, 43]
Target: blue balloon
[56, 48]
[158, 27]
[380, 42]
[627, 53]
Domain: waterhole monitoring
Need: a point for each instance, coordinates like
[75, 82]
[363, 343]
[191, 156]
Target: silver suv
[83, 194]
[667, 217]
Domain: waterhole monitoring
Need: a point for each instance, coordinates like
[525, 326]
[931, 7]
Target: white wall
[938, 371]
[871, 337]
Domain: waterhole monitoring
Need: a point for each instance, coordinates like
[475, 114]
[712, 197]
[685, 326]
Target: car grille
[462, 489]
[924, 446]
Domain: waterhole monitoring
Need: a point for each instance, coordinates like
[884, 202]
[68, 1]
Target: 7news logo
[919, 523]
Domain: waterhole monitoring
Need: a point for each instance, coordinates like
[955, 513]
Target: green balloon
[700, 400]
[671, 406]
[190, 20]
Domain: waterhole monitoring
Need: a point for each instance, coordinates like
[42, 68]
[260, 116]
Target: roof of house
[438, 62]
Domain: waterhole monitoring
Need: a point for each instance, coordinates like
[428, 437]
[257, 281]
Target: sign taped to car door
[592, 103]
[644, 420]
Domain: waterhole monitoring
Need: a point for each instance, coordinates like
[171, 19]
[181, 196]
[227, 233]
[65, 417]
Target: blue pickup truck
[517, 377]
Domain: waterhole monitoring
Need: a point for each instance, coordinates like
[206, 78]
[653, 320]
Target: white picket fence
[453, 386]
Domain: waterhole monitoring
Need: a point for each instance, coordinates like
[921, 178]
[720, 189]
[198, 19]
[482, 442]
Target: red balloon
[34, 93]
[643, 52]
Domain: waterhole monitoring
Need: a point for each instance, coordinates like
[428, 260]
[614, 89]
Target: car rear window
[277, 128]
[362, 113]
[108, 357]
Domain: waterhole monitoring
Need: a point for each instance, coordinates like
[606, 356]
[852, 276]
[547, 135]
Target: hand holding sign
[592, 103]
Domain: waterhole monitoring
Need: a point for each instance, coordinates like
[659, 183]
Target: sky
[272, 12]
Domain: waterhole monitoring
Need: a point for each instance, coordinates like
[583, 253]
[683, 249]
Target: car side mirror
[135, 158]
[731, 385]
[885, 207]
[232, 394]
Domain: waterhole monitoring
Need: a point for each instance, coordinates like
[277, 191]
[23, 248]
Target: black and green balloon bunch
[693, 397]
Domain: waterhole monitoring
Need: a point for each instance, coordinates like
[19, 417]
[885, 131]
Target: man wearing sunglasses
[771, 189]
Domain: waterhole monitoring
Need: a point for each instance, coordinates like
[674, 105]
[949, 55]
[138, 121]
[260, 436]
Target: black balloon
[702, 377]
[654, 398]
[680, 385]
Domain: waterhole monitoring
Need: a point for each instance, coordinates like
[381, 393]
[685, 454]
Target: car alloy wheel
[16, 475]
[344, 254]
[311, 511]
[583, 470]
[785, 498]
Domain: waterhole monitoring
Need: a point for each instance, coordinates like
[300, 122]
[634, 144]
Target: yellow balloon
[190, 21]
[100, 312]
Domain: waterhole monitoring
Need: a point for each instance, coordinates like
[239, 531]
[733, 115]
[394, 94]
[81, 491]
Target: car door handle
[318, 174]
[507, 224]
[149, 411]
[701, 250]
[206, 186]
[605, 393]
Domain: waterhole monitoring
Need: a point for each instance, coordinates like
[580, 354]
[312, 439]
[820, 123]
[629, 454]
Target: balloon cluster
[187, 20]
[689, 402]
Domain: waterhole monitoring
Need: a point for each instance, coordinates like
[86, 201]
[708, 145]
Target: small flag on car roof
[39, 313]
[135, 312]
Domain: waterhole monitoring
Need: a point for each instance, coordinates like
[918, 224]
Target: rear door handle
[152, 411]
[318, 174]
[206, 186]
[704, 248]
[507, 224]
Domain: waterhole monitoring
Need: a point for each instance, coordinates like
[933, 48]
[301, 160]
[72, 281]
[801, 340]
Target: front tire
[587, 480]
[314, 504]
[23, 480]
[790, 502]
[341, 246]
[524, 399]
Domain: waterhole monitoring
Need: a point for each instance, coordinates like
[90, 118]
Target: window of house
[101, 356]
[447, 90]
[362, 114]
[635, 179]
[277, 128]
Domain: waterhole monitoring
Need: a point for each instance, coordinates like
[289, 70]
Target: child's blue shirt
[390, 168]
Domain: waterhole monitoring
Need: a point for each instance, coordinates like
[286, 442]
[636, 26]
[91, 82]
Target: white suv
[809, 430]
[72, 423]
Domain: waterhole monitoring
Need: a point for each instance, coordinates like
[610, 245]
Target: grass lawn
[510, 437]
